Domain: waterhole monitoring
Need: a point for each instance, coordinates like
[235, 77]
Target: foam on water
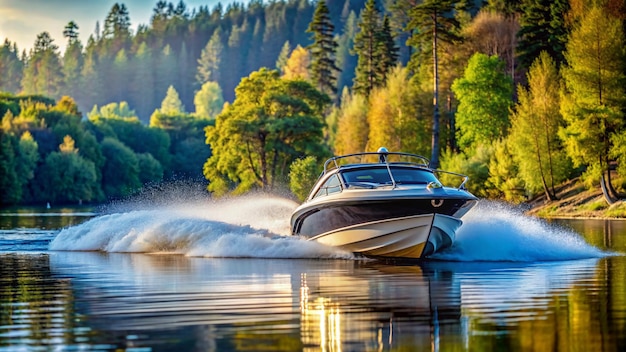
[494, 231]
[253, 226]
[258, 226]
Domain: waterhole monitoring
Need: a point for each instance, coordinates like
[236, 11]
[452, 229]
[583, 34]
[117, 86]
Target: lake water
[223, 276]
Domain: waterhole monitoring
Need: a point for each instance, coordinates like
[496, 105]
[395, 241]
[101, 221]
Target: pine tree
[283, 56]
[91, 86]
[11, 68]
[388, 51]
[43, 73]
[171, 104]
[432, 21]
[209, 100]
[323, 50]
[143, 81]
[209, 61]
[542, 28]
[117, 22]
[73, 61]
[365, 47]
[71, 32]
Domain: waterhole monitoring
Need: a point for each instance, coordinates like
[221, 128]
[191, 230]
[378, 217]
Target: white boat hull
[414, 237]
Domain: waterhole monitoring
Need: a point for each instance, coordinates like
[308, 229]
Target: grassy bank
[575, 200]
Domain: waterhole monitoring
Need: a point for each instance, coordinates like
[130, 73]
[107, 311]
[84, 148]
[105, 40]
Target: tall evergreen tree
[43, 73]
[209, 100]
[117, 22]
[91, 85]
[171, 104]
[365, 47]
[542, 28]
[283, 56]
[71, 32]
[73, 61]
[432, 21]
[323, 50]
[143, 81]
[387, 48]
[209, 61]
[11, 68]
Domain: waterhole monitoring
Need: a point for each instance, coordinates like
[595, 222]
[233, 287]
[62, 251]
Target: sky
[22, 20]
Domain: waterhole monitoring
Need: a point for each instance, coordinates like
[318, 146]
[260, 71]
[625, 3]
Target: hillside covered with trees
[519, 95]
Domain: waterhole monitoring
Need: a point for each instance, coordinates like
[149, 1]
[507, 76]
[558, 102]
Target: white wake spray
[253, 227]
[257, 226]
[499, 232]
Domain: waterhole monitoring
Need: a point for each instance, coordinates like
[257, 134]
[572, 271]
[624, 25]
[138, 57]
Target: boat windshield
[374, 177]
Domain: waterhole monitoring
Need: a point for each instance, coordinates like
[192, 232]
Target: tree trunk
[607, 196]
[550, 195]
[434, 156]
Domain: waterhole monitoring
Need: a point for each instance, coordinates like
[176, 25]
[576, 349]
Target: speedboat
[383, 204]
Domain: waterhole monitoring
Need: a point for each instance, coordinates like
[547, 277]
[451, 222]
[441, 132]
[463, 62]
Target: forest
[519, 95]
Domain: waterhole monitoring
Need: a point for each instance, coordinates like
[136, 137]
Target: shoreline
[576, 201]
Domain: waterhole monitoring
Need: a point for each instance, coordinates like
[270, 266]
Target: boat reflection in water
[412, 312]
[179, 303]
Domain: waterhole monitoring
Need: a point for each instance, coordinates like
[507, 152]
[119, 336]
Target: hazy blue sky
[22, 20]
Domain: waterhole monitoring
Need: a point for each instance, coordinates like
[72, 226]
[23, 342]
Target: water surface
[225, 277]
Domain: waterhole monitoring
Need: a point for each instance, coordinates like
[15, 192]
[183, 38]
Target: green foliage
[120, 173]
[392, 116]
[352, 125]
[27, 157]
[484, 93]
[366, 44]
[593, 99]
[66, 176]
[271, 123]
[43, 72]
[171, 104]
[302, 176]
[533, 138]
[475, 166]
[150, 169]
[188, 156]
[113, 111]
[209, 100]
[11, 68]
[346, 61]
[542, 28]
[10, 192]
[504, 181]
[281, 62]
[323, 50]
[209, 61]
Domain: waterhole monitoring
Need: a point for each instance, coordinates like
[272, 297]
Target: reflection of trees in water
[605, 234]
[42, 218]
[36, 307]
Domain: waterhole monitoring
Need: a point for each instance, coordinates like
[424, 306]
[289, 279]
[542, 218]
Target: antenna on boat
[383, 152]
